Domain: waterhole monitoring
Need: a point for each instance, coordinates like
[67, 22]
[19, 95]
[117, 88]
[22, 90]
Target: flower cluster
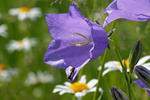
[77, 40]
[39, 78]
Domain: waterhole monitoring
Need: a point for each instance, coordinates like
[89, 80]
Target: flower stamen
[79, 87]
[20, 43]
[2, 67]
[24, 9]
[82, 43]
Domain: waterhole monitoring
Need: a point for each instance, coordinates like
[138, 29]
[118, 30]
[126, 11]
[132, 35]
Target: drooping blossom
[79, 89]
[6, 74]
[24, 44]
[39, 78]
[115, 65]
[3, 29]
[136, 10]
[26, 13]
[76, 41]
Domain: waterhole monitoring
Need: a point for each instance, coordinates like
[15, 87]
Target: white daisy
[26, 12]
[115, 65]
[7, 74]
[3, 29]
[24, 44]
[79, 89]
[40, 77]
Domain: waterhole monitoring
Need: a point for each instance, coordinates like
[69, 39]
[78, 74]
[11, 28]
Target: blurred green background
[127, 32]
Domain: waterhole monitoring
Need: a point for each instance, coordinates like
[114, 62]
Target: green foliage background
[127, 32]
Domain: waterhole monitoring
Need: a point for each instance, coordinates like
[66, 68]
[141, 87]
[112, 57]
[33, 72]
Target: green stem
[100, 75]
[73, 98]
[93, 10]
[124, 70]
[94, 4]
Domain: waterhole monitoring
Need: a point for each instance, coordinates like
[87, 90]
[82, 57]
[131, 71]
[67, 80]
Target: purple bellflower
[136, 10]
[76, 41]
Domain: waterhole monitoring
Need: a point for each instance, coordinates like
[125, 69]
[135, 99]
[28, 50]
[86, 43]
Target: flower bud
[143, 74]
[135, 54]
[117, 94]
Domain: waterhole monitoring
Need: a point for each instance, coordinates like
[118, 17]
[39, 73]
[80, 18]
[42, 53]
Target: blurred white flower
[26, 12]
[115, 65]
[79, 89]
[40, 77]
[7, 74]
[3, 29]
[24, 44]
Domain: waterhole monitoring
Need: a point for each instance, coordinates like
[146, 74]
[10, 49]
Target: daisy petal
[67, 84]
[80, 94]
[92, 83]
[143, 60]
[56, 90]
[112, 64]
[82, 79]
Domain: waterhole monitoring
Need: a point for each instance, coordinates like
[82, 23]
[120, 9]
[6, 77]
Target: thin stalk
[94, 4]
[100, 75]
[94, 7]
[124, 70]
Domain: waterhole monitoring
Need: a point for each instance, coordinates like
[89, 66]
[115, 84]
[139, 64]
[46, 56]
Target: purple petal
[148, 91]
[65, 54]
[74, 12]
[76, 70]
[140, 83]
[62, 26]
[128, 9]
[100, 40]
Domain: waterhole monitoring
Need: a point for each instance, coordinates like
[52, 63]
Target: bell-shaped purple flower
[76, 41]
[136, 10]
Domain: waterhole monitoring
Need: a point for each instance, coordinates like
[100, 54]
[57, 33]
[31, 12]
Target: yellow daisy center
[24, 9]
[20, 42]
[78, 87]
[2, 67]
[126, 62]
